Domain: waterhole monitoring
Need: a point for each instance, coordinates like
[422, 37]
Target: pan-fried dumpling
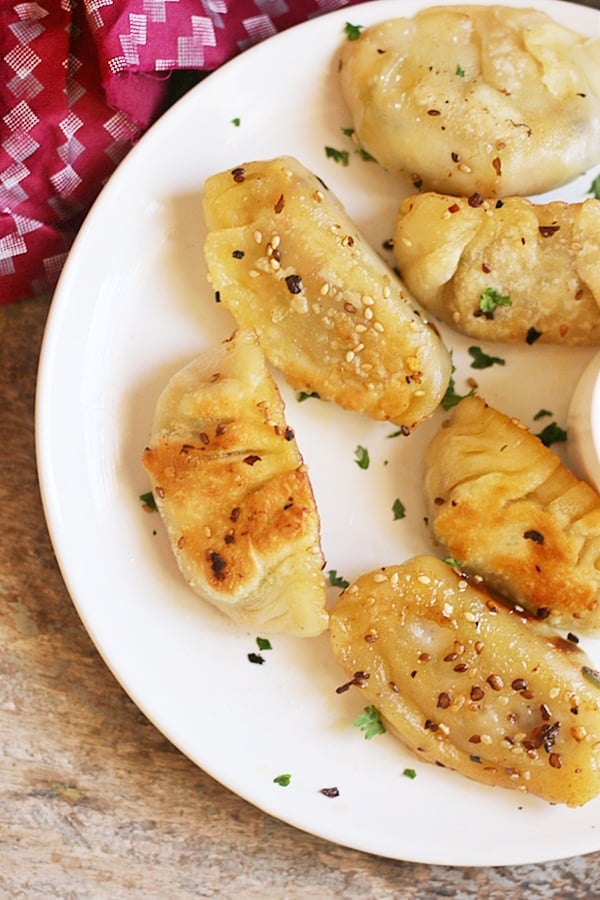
[476, 98]
[234, 494]
[514, 271]
[286, 260]
[505, 507]
[470, 684]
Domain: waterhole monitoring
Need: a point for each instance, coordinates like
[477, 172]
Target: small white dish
[583, 425]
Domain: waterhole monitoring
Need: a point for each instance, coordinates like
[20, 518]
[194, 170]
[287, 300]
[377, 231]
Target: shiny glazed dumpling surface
[469, 684]
[506, 508]
[286, 260]
[230, 484]
[542, 259]
[476, 98]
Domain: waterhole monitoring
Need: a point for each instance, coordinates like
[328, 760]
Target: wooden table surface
[94, 801]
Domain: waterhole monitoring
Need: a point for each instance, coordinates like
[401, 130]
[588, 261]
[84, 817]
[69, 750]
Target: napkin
[80, 82]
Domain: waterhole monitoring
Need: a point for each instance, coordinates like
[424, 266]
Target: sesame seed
[378, 327]
[386, 292]
[324, 289]
[361, 329]
[258, 236]
[368, 313]
[275, 241]
[380, 577]
[275, 264]
[424, 579]
[367, 300]
[349, 356]
[253, 273]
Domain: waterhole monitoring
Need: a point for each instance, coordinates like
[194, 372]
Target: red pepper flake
[160, 491]
[439, 501]
[330, 792]
[475, 739]
[433, 112]
[455, 157]
[519, 684]
[477, 693]
[454, 208]
[495, 682]
[251, 459]
[280, 204]
[444, 700]
[234, 514]
[548, 230]
[555, 760]
[497, 164]
[204, 438]
[545, 712]
[294, 284]
[430, 726]
[239, 174]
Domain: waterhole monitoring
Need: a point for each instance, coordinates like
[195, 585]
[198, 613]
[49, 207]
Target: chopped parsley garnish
[409, 773]
[237, 122]
[283, 780]
[552, 434]
[370, 722]
[336, 580]
[481, 360]
[263, 643]
[398, 509]
[452, 562]
[338, 156]
[460, 71]
[540, 414]
[148, 500]
[490, 300]
[362, 457]
[595, 187]
[352, 32]
[301, 396]
[451, 398]
[364, 155]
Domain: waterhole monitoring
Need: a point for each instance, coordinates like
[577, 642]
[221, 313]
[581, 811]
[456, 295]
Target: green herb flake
[460, 71]
[481, 360]
[336, 580]
[552, 434]
[370, 722]
[364, 155]
[452, 562]
[338, 156]
[398, 509]
[541, 414]
[352, 32]
[148, 501]
[409, 773]
[490, 300]
[362, 459]
[283, 780]
[451, 398]
[301, 396]
[595, 187]
[263, 643]
[237, 122]
[349, 132]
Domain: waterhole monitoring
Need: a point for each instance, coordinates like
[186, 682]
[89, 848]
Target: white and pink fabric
[80, 81]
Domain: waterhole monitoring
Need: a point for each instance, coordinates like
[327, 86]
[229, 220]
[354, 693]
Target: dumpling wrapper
[286, 260]
[541, 259]
[506, 508]
[476, 98]
[468, 683]
[230, 484]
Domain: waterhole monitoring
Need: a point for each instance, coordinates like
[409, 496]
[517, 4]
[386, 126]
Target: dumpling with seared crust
[476, 98]
[516, 271]
[286, 260]
[470, 684]
[505, 507]
[234, 494]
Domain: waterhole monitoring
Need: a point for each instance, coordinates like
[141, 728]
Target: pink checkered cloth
[80, 81]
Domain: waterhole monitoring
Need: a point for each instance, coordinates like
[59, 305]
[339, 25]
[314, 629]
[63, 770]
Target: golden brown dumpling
[468, 683]
[476, 98]
[504, 506]
[514, 272]
[285, 258]
[231, 487]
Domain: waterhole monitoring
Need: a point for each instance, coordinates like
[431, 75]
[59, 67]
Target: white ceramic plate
[132, 306]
